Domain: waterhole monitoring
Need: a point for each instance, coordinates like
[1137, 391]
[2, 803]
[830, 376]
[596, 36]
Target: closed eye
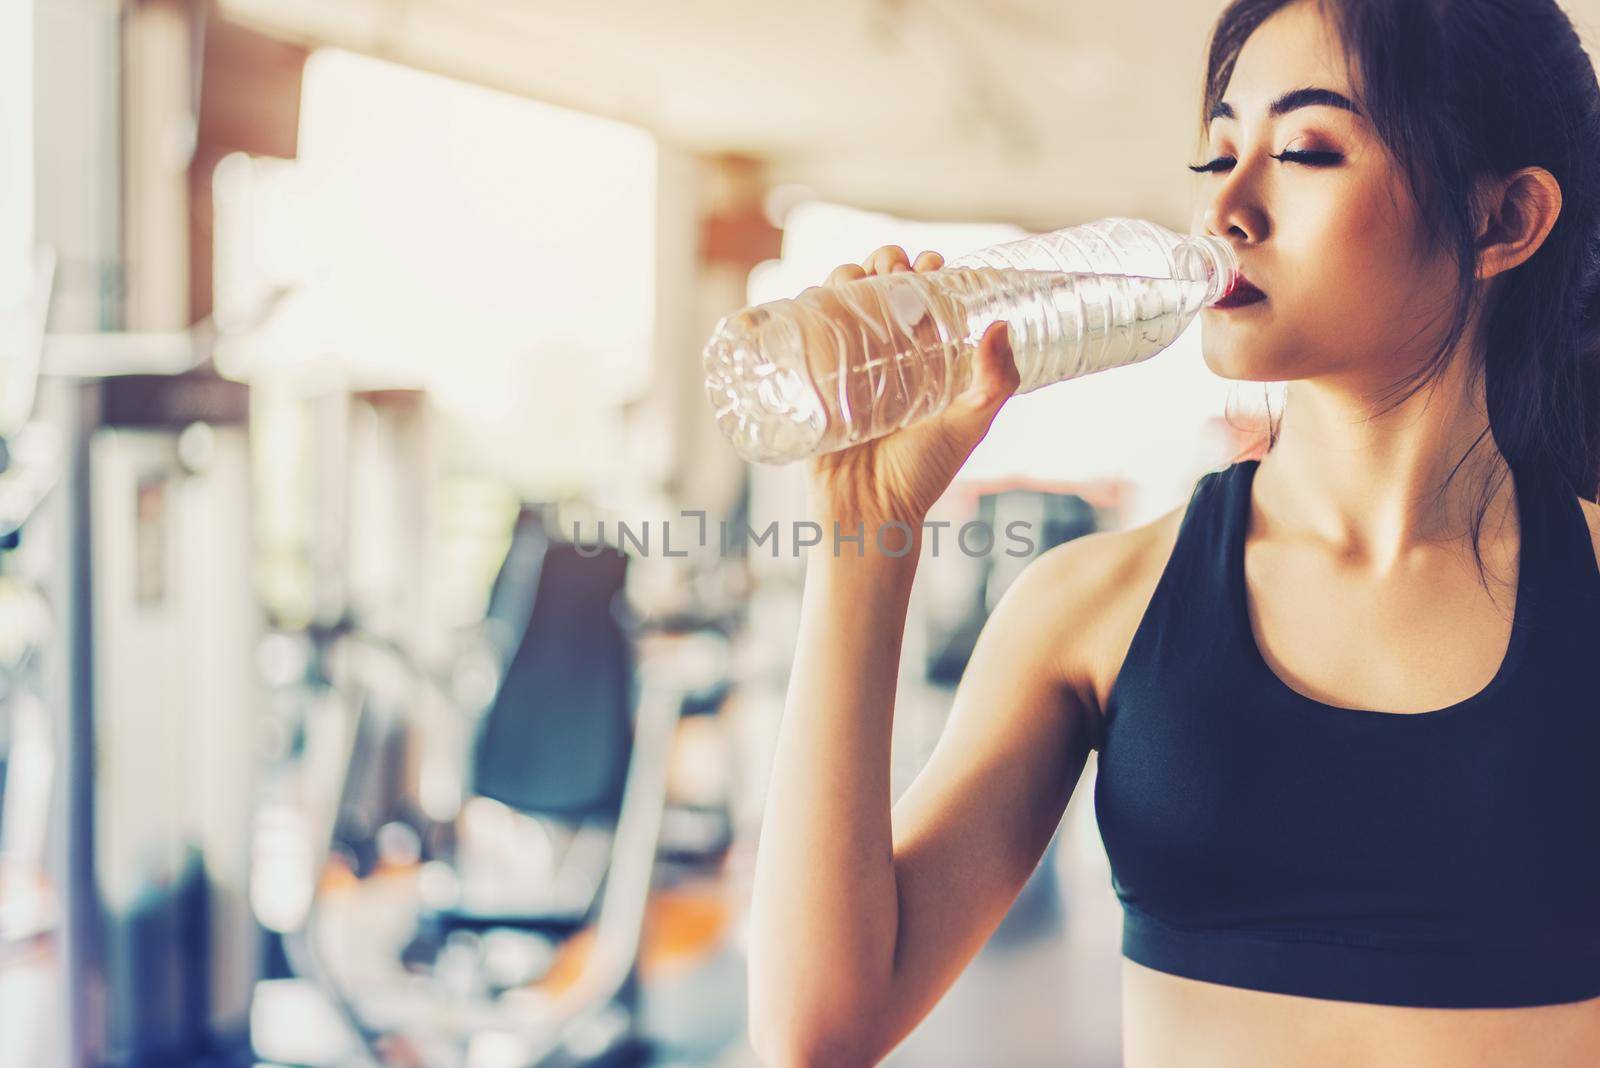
[1308, 158]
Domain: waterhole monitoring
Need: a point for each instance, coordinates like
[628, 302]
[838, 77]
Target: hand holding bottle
[882, 346]
[901, 475]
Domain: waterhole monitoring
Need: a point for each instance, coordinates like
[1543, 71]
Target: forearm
[824, 909]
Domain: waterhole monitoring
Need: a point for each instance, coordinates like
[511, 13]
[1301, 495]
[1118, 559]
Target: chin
[1243, 362]
[1232, 362]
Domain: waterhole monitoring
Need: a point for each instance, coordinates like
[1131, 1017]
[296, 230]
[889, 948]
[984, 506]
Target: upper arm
[969, 830]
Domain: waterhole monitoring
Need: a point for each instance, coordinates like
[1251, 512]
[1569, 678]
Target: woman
[1345, 698]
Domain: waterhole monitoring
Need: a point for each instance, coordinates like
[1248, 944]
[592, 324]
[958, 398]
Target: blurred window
[497, 251]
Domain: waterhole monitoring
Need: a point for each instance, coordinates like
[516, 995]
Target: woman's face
[1322, 220]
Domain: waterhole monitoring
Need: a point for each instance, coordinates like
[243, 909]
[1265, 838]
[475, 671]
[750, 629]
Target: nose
[1234, 210]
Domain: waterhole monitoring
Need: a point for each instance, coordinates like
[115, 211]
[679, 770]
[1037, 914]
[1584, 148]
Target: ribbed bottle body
[1116, 246]
[840, 365]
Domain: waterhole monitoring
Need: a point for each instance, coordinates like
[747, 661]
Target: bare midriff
[1172, 1020]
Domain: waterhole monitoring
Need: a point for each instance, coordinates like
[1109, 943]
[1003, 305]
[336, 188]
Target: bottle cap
[1209, 259]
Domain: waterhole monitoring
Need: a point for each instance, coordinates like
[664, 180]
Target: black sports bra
[1259, 838]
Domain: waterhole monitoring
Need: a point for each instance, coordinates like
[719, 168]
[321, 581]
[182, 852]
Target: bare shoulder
[1092, 592]
[1591, 512]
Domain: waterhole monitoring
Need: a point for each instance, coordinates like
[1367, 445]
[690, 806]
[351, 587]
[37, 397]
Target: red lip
[1242, 293]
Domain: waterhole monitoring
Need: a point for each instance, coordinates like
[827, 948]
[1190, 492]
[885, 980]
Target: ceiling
[1038, 112]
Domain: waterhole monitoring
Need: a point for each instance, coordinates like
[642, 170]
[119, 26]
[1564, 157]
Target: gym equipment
[157, 718]
[577, 735]
[1051, 519]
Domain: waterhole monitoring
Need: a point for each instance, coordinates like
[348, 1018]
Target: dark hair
[1460, 88]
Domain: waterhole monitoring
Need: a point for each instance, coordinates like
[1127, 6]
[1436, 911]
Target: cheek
[1349, 246]
[1361, 264]
[1378, 240]
[1381, 293]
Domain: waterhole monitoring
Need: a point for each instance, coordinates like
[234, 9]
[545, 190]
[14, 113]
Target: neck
[1373, 486]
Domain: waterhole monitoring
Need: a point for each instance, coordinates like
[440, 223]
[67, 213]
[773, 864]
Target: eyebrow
[1293, 99]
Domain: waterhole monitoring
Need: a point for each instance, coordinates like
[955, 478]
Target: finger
[968, 418]
[883, 259]
[966, 421]
[928, 261]
[845, 272]
[995, 376]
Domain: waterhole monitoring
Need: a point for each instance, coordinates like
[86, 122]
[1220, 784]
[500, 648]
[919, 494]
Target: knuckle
[886, 256]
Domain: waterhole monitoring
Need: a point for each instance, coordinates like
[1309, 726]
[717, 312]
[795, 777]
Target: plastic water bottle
[843, 364]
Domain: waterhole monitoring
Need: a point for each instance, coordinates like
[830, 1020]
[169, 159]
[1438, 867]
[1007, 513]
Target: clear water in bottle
[839, 365]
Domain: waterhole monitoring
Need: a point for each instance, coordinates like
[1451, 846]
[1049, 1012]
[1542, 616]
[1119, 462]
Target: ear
[1515, 214]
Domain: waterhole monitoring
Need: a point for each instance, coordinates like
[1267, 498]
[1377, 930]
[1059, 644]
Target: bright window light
[497, 251]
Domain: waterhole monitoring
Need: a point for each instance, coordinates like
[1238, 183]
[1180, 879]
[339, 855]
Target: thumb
[994, 375]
